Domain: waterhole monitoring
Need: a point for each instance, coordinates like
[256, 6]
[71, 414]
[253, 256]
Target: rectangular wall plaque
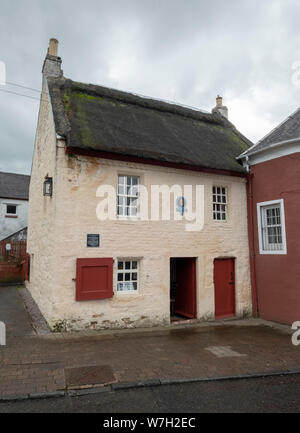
[93, 241]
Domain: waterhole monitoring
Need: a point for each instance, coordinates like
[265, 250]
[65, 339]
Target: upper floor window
[127, 276]
[271, 226]
[11, 209]
[128, 193]
[219, 203]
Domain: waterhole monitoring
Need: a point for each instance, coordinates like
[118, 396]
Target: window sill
[11, 216]
[273, 253]
[128, 219]
[125, 295]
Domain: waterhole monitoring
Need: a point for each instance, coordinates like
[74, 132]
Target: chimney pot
[53, 47]
[220, 108]
[219, 100]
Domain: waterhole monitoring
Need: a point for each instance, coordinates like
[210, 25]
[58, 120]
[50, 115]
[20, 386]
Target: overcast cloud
[186, 51]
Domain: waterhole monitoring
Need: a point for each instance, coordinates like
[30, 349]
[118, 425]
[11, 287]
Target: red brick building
[274, 209]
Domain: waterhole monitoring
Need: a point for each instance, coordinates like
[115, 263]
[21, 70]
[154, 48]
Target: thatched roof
[100, 119]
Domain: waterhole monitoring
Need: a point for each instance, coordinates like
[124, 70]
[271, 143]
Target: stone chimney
[220, 108]
[53, 47]
[52, 63]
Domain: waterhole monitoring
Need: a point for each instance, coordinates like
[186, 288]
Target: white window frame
[220, 203]
[260, 208]
[128, 271]
[125, 196]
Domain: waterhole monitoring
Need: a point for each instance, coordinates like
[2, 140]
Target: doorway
[224, 281]
[183, 289]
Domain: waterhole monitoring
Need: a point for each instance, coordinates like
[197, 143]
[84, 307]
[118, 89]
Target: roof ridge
[150, 98]
[144, 101]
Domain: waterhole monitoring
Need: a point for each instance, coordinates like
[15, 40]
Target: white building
[127, 271]
[14, 195]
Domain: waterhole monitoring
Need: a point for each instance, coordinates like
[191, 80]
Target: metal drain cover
[89, 377]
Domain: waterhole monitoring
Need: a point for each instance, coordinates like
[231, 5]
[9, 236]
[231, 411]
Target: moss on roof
[101, 119]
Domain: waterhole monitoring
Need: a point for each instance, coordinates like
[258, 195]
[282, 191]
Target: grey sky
[186, 51]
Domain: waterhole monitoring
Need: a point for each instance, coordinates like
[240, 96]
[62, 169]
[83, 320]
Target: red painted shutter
[94, 279]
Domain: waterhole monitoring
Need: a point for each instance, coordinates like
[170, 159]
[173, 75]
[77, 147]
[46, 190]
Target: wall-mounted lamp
[48, 186]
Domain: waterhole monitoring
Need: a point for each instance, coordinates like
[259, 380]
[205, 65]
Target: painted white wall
[9, 226]
[58, 227]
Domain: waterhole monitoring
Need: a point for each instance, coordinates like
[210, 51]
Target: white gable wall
[41, 220]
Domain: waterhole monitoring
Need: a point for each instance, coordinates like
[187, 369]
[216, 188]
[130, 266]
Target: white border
[269, 203]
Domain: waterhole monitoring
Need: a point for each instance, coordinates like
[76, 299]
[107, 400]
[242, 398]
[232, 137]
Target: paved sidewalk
[32, 363]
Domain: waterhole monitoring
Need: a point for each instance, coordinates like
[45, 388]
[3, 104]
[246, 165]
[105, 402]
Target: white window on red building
[271, 227]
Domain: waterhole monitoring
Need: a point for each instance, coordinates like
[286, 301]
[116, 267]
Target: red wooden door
[94, 279]
[224, 280]
[185, 300]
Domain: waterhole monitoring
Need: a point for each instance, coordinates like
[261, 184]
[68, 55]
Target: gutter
[252, 244]
[14, 198]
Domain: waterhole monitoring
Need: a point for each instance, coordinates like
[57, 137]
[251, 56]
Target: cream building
[97, 267]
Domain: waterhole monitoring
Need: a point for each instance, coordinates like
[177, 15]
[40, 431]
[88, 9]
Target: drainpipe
[252, 243]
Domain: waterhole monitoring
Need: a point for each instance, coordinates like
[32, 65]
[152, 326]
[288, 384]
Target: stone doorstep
[131, 331]
[185, 324]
